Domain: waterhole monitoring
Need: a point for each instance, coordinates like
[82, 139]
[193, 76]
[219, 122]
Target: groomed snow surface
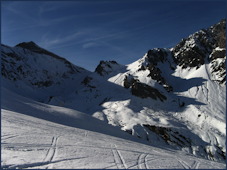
[42, 136]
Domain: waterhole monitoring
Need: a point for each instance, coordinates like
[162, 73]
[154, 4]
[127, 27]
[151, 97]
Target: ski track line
[36, 164]
[119, 160]
[183, 164]
[142, 161]
[5, 138]
[145, 161]
[195, 164]
[146, 166]
[52, 150]
[2, 136]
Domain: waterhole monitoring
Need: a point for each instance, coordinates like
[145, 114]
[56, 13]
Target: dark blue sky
[86, 32]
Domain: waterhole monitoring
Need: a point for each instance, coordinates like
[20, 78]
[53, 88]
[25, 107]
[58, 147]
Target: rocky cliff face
[152, 59]
[106, 67]
[141, 89]
[204, 46]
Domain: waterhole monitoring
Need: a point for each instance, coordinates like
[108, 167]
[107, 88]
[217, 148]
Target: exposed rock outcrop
[142, 90]
[154, 57]
[202, 47]
[105, 67]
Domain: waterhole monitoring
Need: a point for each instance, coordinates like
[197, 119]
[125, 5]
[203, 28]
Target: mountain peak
[37, 49]
[29, 45]
[106, 67]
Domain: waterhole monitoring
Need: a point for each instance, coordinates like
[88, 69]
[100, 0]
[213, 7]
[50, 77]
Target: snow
[36, 136]
[39, 68]
[203, 118]
[219, 49]
[211, 117]
[72, 124]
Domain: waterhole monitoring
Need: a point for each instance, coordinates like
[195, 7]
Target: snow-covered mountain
[36, 70]
[172, 98]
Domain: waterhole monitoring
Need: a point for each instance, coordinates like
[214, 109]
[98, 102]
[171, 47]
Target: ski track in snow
[51, 151]
[163, 158]
[142, 161]
[8, 137]
[36, 164]
[195, 164]
[118, 159]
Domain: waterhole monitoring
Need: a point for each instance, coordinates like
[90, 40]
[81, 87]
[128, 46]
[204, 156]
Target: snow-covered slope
[40, 136]
[187, 84]
[173, 98]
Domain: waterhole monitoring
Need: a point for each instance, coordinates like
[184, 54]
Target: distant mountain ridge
[173, 97]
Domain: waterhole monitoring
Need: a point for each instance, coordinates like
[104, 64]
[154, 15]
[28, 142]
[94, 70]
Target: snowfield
[42, 136]
[166, 110]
